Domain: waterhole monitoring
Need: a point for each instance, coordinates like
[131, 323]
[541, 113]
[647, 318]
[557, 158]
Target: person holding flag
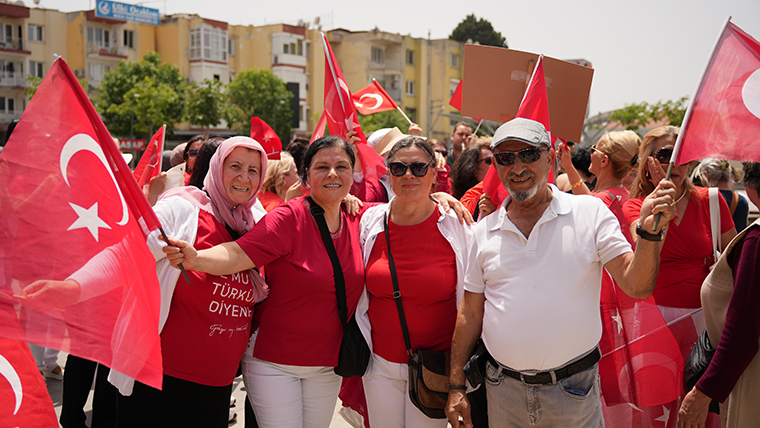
[542, 326]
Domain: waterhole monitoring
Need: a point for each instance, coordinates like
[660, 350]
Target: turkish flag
[319, 130]
[724, 118]
[373, 99]
[456, 97]
[341, 115]
[534, 106]
[69, 199]
[24, 398]
[150, 162]
[266, 136]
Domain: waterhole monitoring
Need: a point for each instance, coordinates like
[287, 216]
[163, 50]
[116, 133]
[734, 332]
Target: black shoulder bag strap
[396, 291]
[340, 282]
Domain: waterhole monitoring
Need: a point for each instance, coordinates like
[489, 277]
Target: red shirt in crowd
[427, 277]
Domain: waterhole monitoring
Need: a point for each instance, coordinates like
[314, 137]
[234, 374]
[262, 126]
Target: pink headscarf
[238, 217]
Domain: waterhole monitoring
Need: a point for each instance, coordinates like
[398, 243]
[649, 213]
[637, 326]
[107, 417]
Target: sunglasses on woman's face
[443, 153]
[419, 169]
[663, 155]
[528, 155]
[192, 153]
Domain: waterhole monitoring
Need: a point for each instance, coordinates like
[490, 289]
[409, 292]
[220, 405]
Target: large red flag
[373, 99]
[456, 97]
[341, 114]
[319, 130]
[150, 162]
[724, 119]
[534, 106]
[24, 398]
[67, 199]
[265, 135]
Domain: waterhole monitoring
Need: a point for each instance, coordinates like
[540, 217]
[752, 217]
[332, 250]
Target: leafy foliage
[205, 103]
[33, 83]
[478, 30]
[259, 93]
[385, 119]
[635, 116]
[155, 94]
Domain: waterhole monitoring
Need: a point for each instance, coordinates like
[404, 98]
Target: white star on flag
[88, 218]
[665, 416]
[618, 320]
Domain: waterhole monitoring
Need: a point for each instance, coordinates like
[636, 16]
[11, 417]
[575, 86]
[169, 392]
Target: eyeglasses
[419, 169]
[663, 155]
[192, 153]
[443, 153]
[486, 160]
[594, 149]
[528, 155]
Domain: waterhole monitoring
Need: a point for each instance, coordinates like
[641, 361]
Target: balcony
[9, 117]
[113, 52]
[14, 46]
[12, 79]
[289, 60]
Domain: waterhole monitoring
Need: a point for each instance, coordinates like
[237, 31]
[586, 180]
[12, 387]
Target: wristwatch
[656, 237]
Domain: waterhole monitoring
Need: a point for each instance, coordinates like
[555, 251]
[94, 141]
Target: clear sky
[641, 50]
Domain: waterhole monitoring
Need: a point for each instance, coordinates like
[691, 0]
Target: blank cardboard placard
[495, 80]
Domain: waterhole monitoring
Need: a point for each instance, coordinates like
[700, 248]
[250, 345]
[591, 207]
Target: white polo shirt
[542, 293]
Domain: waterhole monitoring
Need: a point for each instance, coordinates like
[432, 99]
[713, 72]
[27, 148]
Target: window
[6, 37]
[11, 105]
[231, 47]
[410, 88]
[208, 44]
[308, 49]
[300, 48]
[36, 69]
[35, 33]
[409, 57]
[96, 71]
[378, 55]
[217, 77]
[7, 105]
[286, 48]
[129, 37]
[98, 37]
[454, 60]
[8, 68]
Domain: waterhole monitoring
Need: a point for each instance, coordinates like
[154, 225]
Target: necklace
[682, 195]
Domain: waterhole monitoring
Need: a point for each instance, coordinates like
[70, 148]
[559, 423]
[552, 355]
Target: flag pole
[328, 58]
[404, 114]
[687, 115]
[478, 127]
[388, 96]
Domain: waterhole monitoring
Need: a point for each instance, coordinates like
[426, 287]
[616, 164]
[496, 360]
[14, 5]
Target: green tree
[262, 94]
[119, 101]
[478, 30]
[33, 83]
[385, 119]
[635, 116]
[205, 103]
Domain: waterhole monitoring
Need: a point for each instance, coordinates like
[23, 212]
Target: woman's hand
[693, 412]
[660, 201]
[655, 170]
[440, 161]
[449, 202]
[178, 251]
[294, 191]
[353, 204]
[155, 187]
[565, 158]
[415, 130]
[485, 205]
[44, 296]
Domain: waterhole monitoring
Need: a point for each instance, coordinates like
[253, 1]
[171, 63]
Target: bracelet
[654, 237]
[576, 184]
[462, 387]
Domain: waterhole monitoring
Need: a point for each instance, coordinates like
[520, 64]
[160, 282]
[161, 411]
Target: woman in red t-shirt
[427, 246]
[686, 253]
[281, 174]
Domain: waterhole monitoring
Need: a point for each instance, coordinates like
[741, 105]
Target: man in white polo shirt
[532, 289]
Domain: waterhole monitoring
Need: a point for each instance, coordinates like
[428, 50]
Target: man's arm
[636, 273]
[466, 334]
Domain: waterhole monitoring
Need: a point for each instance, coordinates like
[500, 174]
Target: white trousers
[388, 403]
[45, 357]
[285, 396]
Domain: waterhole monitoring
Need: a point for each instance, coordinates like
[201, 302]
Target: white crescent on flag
[751, 93]
[10, 374]
[88, 218]
[378, 100]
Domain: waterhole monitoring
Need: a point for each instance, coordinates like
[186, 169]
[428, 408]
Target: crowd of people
[524, 278]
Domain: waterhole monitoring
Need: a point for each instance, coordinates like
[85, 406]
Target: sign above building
[127, 12]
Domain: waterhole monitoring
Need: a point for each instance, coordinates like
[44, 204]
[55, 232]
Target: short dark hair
[751, 177]
[323, 143]
[411, 141]
[582, 159]
[203, 161]
[297, 148]
[463, 123]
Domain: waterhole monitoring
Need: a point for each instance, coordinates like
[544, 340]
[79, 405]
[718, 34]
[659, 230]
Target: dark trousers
[180, 403]
[479, 407]
[77, 382]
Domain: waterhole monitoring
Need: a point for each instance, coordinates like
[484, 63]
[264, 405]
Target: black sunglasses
[419, 169]
[531, 154]
[192, 153]
[443, 153]
[663, 155]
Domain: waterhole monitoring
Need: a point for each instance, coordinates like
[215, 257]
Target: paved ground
[55, 388]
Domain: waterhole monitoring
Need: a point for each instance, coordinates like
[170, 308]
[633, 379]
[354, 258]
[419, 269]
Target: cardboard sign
[495, 80]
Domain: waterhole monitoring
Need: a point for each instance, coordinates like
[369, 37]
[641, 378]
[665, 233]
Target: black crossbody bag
[354, 351]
